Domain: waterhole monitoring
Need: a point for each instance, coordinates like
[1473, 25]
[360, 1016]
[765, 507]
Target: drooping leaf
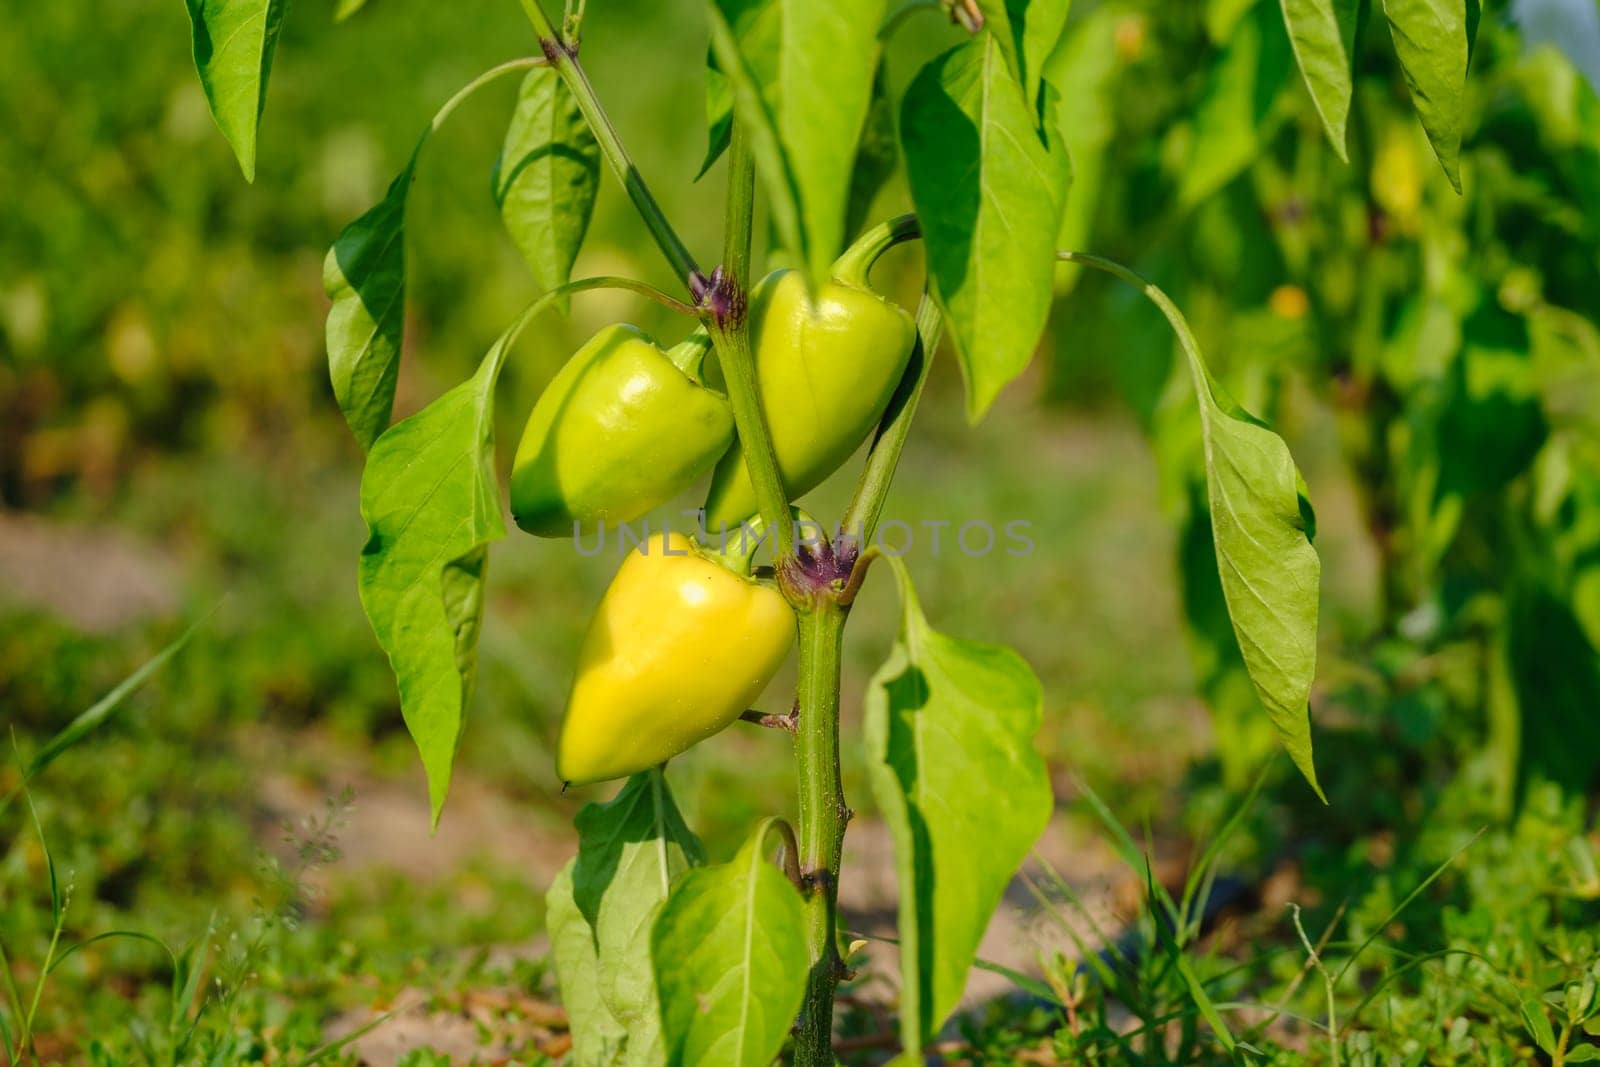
[432, 507]
[365, 278]
[1323, 35]
[598, 1039]
[630, 852]
[1432, 42]
[1262, 524]
[801, 72]
[546, 177]
[989, 193]
[234, 41]
[731, 961]
[1027, 32]
[1239, 95]
[949, 730]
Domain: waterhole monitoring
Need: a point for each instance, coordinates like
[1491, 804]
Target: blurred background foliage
[169, 446]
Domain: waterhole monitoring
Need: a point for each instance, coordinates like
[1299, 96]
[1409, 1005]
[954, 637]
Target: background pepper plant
[1351, 223]
[663, 955]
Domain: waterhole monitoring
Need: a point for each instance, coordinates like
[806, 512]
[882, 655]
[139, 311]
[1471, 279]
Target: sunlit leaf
[801, 74]
[598, 1039]
[1323, 35]
[989, 193]
[1433, 43]
[1027, 32]
[546, 177]
[731, 961]
[234, 41]
[432, 507]
[630, 852]
[949, 731]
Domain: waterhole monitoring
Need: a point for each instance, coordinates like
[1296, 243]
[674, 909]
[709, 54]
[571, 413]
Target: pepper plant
[662, 955]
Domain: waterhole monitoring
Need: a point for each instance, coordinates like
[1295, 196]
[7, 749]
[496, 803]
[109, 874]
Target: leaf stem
[725, 306]
[823, 816]
[449, 106]
[866, 507]
[563, 56]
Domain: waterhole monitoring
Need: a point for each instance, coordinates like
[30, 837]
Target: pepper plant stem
[823, 816]
[727, 319]
[562, 55]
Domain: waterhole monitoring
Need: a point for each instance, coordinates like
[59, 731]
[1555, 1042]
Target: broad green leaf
[432, 507]
[1239, 95]
[365, 277]
[1027, 32]
[989, 193]
[546, 177]
[1323, 35]
[731, 961]
[1433, 44]
[949, 731]
[1262, 525]
[1084, 71]
[630, 852]
[234, 41]
[801, 73]
[598, 1039]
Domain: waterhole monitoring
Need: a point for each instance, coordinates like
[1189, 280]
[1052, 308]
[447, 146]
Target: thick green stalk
[823, 816]
[562, 55]
[725, 310]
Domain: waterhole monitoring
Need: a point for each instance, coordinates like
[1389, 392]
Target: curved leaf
[546, 177]
[949, 730]
[1027, 32]
[365, 277]
[1433, 43]
[731, 961]
[432, 507]
[234, 41]
[989, 193]
[1323, 36]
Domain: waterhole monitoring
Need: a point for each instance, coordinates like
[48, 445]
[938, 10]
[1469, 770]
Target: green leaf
[1027, 32]
[989, 194]
[949, 731]
[1239, 95]
[801, 73]
[233, 45]
[432, 506]
[1262, 523]
[546, 177]
[1323, 35]
[630, 853]
[598, 1039]
[731, 960]
[1433, 43]
[719, 115]
[365, 277]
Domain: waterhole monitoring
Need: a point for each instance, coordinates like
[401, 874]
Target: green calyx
[622, 428]
[826, 367]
